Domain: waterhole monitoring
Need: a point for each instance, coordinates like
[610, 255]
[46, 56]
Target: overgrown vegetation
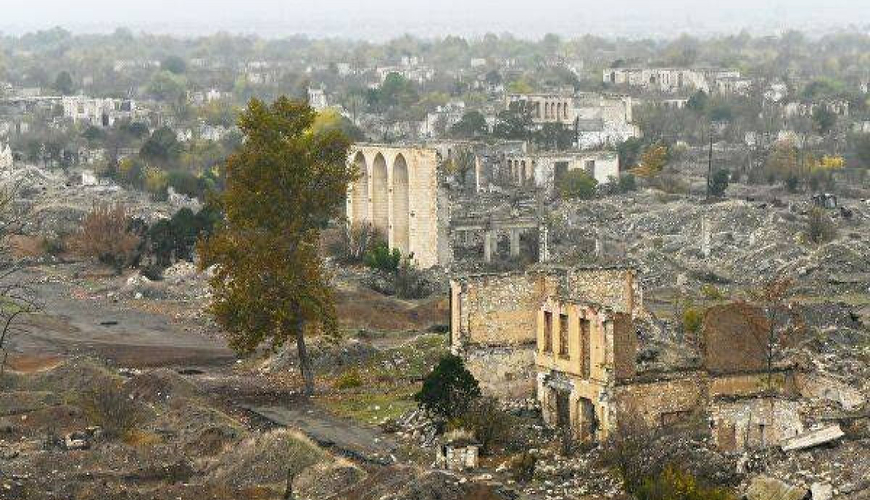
[106, 235]
[449, 390]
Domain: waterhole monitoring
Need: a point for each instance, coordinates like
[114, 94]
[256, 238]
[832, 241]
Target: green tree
[823, 119]
[64, 83]
[471, 126]
[577, 184]
[449, 389]
[282, 185]
[719, 182]
[514, 123]
[174, 65]
[162, 147]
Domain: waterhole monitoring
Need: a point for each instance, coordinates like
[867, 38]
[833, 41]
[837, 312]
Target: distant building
[670, 80]
[97, 112]
[317, 99]
[549, 107]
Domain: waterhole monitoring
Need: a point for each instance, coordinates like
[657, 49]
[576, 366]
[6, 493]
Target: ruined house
[582, 342]
[603, 119]
[551, 107]
[544, 170]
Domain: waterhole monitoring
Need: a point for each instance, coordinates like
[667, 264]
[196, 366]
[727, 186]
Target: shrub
[820, 228]
[176, 238]
[791, 183]
[676, 484]
[577, 184]
[409, 281]
[349, 380]
[522, 467]
[109, 406]
[53, 246]
[381, 258]
[449, 389]
[627, 183]
[719, 182]
[710, 292]
[106, 235]
[355, 242]
[490, 425]
[692, 319]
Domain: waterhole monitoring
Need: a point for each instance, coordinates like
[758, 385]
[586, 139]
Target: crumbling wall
[754, 423]
[735, 339]
[614, 288]
[660, 403]
[501, 309]
[624, 347]
[507, 372]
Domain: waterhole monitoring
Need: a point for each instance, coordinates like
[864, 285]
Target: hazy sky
[380, 19]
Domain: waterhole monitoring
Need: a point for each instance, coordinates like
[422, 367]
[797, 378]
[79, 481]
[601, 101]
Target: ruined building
[544, 170]
[398, 193]
[553, 107]
[581, 340]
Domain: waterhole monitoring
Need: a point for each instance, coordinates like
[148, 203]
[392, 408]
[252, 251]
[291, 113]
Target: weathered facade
[554, 107]
[544, 170]
[398, 193]
[582, 330]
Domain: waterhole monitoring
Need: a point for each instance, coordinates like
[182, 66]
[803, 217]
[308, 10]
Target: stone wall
[754, 423]
[503, 372]
[498, 309]
[660, 403]
[734, 339]
[615, 288]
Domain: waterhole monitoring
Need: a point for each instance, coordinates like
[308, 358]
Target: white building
[97, 112]
[317, 99]
[603, 120]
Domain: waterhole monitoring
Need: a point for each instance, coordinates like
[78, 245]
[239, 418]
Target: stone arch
[380, 196]
[359, 203]
[401, 216]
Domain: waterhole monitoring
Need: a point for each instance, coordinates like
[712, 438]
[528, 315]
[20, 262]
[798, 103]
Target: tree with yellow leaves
[652, 161]
[282, 185]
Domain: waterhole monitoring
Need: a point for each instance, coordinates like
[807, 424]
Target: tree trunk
[304, 360]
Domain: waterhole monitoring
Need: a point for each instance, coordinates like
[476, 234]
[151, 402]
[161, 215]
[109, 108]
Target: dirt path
[73, 324]
[343, 436]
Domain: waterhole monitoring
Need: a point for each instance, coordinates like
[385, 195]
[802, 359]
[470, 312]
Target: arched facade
[398, 193]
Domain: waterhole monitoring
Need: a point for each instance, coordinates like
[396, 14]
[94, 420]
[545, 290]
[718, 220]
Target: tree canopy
[282, 185]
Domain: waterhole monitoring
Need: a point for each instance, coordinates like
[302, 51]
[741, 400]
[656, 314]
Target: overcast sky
[382, 19]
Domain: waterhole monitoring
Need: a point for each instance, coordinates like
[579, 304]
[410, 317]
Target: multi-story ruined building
[603, 120]
[581, 340]
[669, 80]
[552, 107]
[97, 112]
[398, 193]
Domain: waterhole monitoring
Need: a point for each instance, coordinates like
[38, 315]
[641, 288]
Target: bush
[355, 241]
[710, 292]
[349, 380]
[53, 246]
[522, 467]
[449, 389]
[409, 281]
[692, 319]
[677, 484]
[106, 235]
[820, 227]
[109, 406]
[719, 182]
[791, 183]
[490, 425]
[627, 183]
[381, 258]
[175, 238]
[577, 184]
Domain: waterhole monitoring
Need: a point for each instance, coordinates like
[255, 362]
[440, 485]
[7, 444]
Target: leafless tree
[780, 320]
[17, 298]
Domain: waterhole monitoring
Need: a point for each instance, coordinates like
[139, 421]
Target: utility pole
[710, 162]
